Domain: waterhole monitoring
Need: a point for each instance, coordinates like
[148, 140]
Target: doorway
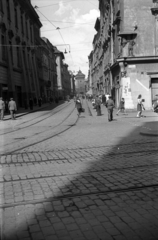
[154, 89]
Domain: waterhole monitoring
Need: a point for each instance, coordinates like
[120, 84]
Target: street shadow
[43, 108]
[112, 195]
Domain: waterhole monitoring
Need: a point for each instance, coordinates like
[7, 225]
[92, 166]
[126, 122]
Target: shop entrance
[154, 89]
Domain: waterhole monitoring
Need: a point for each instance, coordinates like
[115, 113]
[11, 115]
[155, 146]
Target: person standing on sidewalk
[110, 106]
[98, 106]
[12, 108]
[2, 107]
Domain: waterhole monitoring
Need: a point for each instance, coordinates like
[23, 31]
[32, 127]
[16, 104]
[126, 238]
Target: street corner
[150, 129]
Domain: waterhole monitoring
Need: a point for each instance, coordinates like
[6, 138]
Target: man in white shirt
[12, 108]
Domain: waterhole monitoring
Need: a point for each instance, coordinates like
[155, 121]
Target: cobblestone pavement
[96, 181]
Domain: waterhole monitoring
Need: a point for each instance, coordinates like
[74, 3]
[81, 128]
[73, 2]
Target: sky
[76, 20]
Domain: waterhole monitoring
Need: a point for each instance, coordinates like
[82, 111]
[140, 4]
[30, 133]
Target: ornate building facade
[19, 33]
[125, 55]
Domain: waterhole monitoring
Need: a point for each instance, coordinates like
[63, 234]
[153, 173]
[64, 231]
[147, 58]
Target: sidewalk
[23, 111]
[150, 120]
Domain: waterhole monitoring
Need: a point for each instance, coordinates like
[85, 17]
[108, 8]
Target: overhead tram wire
[56, 28]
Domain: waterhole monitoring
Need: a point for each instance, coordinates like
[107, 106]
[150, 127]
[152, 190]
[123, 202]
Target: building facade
[66, 81]
[129, 62]
[47, 72]
[19, 34]
[59, 61]
[80, 83]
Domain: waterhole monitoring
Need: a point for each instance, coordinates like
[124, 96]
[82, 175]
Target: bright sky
[76, 20]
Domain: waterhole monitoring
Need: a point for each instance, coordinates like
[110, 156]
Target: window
[4, 56]
[26, 26]
[11, 51]
[16, 17]
[31, 36]
[18, 57]
[8, 9]
[1, 6]
[22, 24]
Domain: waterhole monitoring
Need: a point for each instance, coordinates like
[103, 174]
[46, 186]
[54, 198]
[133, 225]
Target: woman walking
[140, 106]
[78, 105]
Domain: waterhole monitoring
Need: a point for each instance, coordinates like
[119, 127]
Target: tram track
[55, 111]
[73, 196]
[85, 173]
[44, 138]
[69, 158]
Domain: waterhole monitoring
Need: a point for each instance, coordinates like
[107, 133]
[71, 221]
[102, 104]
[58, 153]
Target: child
[121, 106]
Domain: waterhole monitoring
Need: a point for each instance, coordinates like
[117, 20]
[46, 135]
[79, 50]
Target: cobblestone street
[65, 177]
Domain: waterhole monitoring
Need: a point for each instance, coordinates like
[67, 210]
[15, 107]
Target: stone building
[72, 77]
[59, 61]
[66, 81]
[19, 34]
[80, 83]
[127, 31]
[47, 73]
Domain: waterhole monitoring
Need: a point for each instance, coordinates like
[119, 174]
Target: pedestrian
[12, 108]
[103, 99]
[74, 98]
[140, 106]
[78, 105]
[98, 106]
[31, 103]
[39, 102]
[2, 108]
[155, 106]
[121, 106]
[6, 106]
[110, 106]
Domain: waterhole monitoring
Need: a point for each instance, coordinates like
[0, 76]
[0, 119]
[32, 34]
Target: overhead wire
[58, 29]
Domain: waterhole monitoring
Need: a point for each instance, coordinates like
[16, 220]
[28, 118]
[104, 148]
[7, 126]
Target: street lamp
[64, 45]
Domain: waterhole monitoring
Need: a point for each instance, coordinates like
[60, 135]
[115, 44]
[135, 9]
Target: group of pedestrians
[107, 101]
[11, 106]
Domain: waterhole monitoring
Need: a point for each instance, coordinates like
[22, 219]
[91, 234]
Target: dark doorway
[154, 89]
[18, 96]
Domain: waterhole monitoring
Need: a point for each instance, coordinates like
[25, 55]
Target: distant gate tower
[80, 83]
